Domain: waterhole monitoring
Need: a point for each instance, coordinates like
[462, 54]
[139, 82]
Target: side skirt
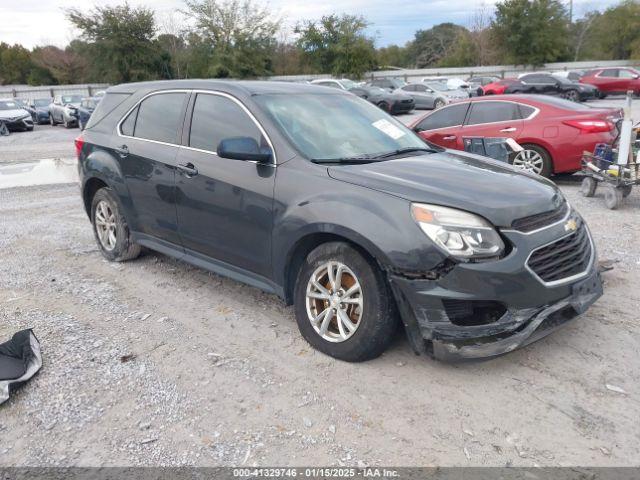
[208, 263]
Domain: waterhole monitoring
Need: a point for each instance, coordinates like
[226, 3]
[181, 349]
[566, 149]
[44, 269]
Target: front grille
[539, 220]
[563, 258]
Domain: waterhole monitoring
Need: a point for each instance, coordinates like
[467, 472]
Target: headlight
[461, 234]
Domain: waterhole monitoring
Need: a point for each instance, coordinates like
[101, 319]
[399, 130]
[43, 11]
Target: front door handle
[450, 137]
[508, 130]
[189, 169]
[122, 150]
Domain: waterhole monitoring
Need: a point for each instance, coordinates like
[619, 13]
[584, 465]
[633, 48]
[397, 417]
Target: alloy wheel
[529, 160]
[573, 95]
[105, 220]
[334, 301]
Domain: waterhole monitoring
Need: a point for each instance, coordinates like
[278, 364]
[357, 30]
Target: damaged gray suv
[323, 199]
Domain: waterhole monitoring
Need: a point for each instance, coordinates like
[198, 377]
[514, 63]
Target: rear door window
[445, 117]
[215, 118]
[609, 73]
[160, 117]
[490, 112]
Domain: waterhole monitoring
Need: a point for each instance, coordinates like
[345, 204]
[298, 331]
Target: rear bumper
[509, 306]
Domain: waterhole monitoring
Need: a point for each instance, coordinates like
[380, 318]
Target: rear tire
[438, 104]
[370, 311]
[110, 227]
[573, 95]
[533, 150]
[52, 121]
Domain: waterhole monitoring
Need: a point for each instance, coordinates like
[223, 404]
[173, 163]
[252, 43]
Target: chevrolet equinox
[325, 200]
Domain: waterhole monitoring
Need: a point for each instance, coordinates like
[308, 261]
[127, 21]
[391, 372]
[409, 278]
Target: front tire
[573, 95]
[385, 106]
[343, 305]
[110, 228]
[534, 159]
[52, 121]
[438, 104]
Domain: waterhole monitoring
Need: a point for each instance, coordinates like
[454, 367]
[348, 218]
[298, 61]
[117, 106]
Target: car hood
[14, 113]
[488, 188]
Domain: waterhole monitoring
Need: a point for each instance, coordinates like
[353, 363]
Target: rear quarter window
[108, 103]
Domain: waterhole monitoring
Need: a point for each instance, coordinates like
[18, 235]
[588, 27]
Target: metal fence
[466, 72]
[31, 93]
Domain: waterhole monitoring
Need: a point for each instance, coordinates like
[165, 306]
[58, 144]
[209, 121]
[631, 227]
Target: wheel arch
[299, 251]
[91, 186]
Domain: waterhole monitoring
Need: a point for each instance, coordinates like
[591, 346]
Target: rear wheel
[343, 305]
[52, 121]
[534, 159]
[110, 228]
[439, 103]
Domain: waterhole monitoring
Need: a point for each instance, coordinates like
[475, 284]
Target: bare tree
[480, 28]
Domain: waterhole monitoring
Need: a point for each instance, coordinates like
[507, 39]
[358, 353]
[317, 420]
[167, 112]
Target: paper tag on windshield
[389, 128]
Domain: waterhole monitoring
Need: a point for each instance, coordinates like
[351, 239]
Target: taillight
[590, 126]
[79, 144]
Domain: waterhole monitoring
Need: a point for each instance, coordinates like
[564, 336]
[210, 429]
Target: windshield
[348, 84]
[333, 127]
[71, 99]
[42, 102]
[439, 87]
[9, 105]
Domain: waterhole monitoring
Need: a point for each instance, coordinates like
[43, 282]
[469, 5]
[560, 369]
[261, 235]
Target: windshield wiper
[358, 159]
[402, 151]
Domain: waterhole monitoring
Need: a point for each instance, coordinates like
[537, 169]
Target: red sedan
[498, 87]
[553, 132]
[613, 80]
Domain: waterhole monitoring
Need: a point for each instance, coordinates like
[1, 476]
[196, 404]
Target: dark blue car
[86, 108]
[41, 107]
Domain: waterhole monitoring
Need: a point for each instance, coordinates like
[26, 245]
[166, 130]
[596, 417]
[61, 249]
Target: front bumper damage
[507, 305]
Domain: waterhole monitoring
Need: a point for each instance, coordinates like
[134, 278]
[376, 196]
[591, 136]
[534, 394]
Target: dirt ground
[155, 362]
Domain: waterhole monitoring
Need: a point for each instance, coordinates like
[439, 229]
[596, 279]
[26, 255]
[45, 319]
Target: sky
[41, 22]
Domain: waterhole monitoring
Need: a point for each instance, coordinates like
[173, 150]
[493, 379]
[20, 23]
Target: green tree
[430, 46]
[120, 40]
[239, 34]
[532, 32]
[15, 64]
[613, 34]
[337, 45]
[463, 52]
[392, 56]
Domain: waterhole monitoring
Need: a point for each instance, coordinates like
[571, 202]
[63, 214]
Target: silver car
[424, 96]
[451, 94]
[64, 109]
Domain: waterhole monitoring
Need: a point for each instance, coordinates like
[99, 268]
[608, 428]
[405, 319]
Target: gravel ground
[44, 141]
[155, 362]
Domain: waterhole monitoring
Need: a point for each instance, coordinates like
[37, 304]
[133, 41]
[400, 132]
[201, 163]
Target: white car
[340, 83]
[452, 82]
[13, 116]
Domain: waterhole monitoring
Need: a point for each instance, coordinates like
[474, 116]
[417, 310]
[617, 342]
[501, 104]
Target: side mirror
[244, 148]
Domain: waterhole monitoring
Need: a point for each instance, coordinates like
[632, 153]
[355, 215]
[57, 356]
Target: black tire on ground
[65, 123]
[125, 249]
[379, 319]
[438, 104]
[385, 106]
[547, 168]
[588, 187]
[626, 190]
[573, 95]
[602, 95]
[52, 121]
[612, 197]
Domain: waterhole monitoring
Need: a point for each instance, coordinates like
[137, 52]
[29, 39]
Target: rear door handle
[450, 137]
[509, 129]
[122, 150]
[189, 169]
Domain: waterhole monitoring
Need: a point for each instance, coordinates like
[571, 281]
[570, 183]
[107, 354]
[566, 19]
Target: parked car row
[69, 110]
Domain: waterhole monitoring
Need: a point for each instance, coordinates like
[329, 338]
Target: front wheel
[385, 106]
[573, 95]
[52, 121]
[343, 305]
[439, 103]
[534, 159]
[110, 228]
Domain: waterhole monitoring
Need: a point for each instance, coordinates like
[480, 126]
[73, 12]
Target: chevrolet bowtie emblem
[571, 226]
